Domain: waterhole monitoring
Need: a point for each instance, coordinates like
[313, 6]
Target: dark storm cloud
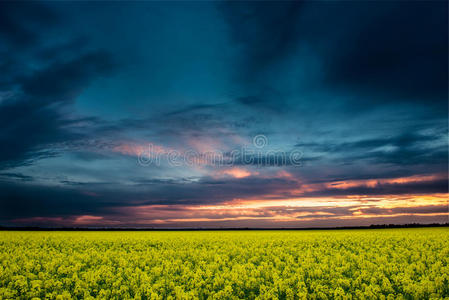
[267, 31]
[72, 198]
[20, 30]
[32, 114]
[381, 52]
[421, 187]
[27, 129]
[18, 200]
[399, 49]
[65, 80]
[34, 118]
[20, 22]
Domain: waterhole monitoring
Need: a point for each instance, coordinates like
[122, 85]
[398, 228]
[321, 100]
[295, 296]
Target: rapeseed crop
[328, 264]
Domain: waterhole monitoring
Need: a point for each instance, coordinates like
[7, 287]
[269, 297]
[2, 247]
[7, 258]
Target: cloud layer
[357, 90]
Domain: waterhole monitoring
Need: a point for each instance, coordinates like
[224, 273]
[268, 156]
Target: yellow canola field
[325, 264]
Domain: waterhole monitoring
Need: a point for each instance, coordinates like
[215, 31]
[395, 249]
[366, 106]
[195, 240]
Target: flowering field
[334, 264]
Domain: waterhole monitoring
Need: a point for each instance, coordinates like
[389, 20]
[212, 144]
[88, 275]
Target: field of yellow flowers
[325, 264]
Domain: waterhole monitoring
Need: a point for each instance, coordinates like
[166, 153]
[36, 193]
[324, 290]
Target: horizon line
[372, 226]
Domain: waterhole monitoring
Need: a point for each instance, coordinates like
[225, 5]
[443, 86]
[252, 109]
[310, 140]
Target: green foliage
[343, 264]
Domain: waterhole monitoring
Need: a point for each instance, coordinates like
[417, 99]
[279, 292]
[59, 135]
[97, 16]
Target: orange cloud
[235, 173]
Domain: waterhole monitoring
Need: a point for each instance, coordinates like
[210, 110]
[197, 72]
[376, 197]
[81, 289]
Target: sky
[223, 114]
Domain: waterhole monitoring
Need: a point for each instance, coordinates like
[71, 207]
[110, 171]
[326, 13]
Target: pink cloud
[87, 219]
[234, 173]
[141, 148]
